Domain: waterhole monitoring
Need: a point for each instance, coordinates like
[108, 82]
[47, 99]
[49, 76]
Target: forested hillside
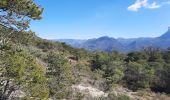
[32, 68]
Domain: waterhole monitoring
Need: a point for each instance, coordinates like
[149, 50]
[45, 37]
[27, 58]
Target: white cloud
[143, 3]
[153, 5]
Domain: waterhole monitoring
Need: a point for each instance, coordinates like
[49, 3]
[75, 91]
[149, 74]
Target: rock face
[123, 45]
[17, 95]
[166, 35]
[89, 90]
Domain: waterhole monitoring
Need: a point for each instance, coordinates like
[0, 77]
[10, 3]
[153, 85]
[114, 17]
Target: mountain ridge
[106, 43]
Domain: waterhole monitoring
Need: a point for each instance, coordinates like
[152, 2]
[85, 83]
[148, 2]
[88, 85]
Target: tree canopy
[16, 14]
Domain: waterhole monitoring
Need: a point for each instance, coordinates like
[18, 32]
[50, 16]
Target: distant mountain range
[109, 44]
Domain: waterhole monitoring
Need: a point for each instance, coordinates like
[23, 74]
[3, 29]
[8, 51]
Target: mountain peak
[166, 35]
[105, 38]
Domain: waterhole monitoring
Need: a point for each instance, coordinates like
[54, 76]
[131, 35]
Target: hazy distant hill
[106, 43]
[103, 43]
[72, 42]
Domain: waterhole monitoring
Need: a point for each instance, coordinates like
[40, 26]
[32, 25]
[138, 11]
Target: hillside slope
[43, 69]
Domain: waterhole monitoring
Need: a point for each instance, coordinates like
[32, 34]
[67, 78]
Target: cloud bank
[145, 4]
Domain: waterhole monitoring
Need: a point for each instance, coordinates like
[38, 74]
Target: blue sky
[84, 19]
